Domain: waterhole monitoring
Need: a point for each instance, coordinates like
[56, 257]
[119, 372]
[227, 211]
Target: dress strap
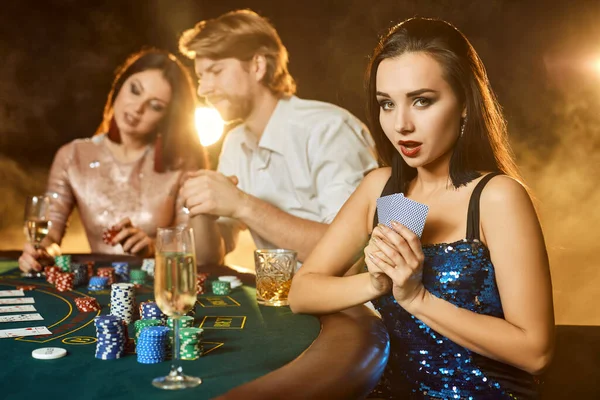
[473, 212]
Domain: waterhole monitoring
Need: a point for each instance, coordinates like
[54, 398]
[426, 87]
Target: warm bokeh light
[209, 125]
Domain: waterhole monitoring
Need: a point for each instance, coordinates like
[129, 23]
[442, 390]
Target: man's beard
[239, 108]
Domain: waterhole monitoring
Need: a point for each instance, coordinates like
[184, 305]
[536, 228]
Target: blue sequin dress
[425, 364]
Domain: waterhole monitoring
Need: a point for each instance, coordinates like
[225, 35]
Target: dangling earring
[462, 127]
[158, 154]
[114, 135]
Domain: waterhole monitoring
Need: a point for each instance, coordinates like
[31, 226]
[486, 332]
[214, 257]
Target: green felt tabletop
[248, 342]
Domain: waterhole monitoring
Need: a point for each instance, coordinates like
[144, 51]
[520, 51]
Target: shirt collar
[272, 138]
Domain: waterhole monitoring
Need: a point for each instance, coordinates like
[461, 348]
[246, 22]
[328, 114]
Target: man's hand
[209, 192]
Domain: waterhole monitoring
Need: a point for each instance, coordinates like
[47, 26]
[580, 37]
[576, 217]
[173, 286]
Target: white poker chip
[234, 281]
[49, 353]
[228, 278]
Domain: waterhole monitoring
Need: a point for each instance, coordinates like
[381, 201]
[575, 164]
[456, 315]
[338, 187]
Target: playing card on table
[409, 213]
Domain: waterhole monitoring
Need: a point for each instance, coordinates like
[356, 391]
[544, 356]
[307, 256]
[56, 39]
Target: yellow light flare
[209, 125]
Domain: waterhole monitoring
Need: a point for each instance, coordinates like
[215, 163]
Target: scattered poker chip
[87, 304]
[26, 287]
[234, 281]
[221, 288]
[48, 353]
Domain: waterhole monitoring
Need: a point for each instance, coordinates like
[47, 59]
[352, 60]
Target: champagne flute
[175, 292]
[37, 219]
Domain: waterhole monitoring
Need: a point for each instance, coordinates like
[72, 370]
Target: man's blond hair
[241, 34]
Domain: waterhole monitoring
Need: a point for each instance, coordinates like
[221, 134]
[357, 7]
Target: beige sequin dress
[87, 175]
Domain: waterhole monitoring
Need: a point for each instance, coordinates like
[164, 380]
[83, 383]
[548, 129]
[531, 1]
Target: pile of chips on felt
[138, 276]
[150, 310]
[121, 271]
[140, 324]
[63, 262]
[148, 266]
[97, 283]
[151, 345]
[112, 337]
[51, 273]
[221, 287]
[190, 342]
[87, 304]
[201, 279]
[64, 281]
[108, 272]
[122, 301]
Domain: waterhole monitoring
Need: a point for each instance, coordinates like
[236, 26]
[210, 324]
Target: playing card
[33, 331]
[8, 293]
[20, 317]
[409, 213]
[20, 300]
[24, 308]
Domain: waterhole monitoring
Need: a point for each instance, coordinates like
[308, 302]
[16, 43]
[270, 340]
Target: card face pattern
[409, 213]
[20, 317]
[18, 332]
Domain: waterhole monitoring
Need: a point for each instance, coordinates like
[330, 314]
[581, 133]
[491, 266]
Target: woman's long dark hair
[180, 143]
[484, 144]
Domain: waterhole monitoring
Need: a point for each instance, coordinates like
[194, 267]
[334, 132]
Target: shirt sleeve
[342, 155]
[59, 187]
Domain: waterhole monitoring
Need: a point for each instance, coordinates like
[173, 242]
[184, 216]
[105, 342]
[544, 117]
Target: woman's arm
[320, 285]
[525, 337]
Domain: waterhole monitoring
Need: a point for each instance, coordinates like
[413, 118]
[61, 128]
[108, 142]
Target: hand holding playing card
[398, 255]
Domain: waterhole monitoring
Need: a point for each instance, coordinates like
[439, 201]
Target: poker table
[250, 351]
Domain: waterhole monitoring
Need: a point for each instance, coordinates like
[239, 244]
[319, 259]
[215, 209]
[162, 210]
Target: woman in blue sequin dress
[468, 306]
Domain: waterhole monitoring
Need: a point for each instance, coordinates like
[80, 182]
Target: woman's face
[419, 112]
[142, 103]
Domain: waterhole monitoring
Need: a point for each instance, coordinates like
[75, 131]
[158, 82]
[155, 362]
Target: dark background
[58, 57]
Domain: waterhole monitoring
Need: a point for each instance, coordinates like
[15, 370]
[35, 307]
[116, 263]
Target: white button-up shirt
[310, 158]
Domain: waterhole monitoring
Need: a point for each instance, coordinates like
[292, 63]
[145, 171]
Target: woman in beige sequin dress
[128, 175]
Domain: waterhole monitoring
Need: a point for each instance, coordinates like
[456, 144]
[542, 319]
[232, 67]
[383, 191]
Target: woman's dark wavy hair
[180, 143]
[484, 145]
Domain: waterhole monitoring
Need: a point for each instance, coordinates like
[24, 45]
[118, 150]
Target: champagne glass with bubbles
[37, 218]
[175, 292]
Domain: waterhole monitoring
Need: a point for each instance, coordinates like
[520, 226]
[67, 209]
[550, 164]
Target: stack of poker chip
[148, 266]
[191, 347]
[64, 281]
[140, 324]
[122, 299]
[151, 344]
[90, 269]
[185, 321]
[150, 310]
[108, 272]
[234, 281]
[51, 273]
[121, 271]
[110, 332]
[87, 304]
[138, 276]
[200, 281]
[81, 274]
[221, 287]
[97, 283]
[63, 262]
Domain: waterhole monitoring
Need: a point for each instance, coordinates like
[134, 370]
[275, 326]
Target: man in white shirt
[288, 167]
